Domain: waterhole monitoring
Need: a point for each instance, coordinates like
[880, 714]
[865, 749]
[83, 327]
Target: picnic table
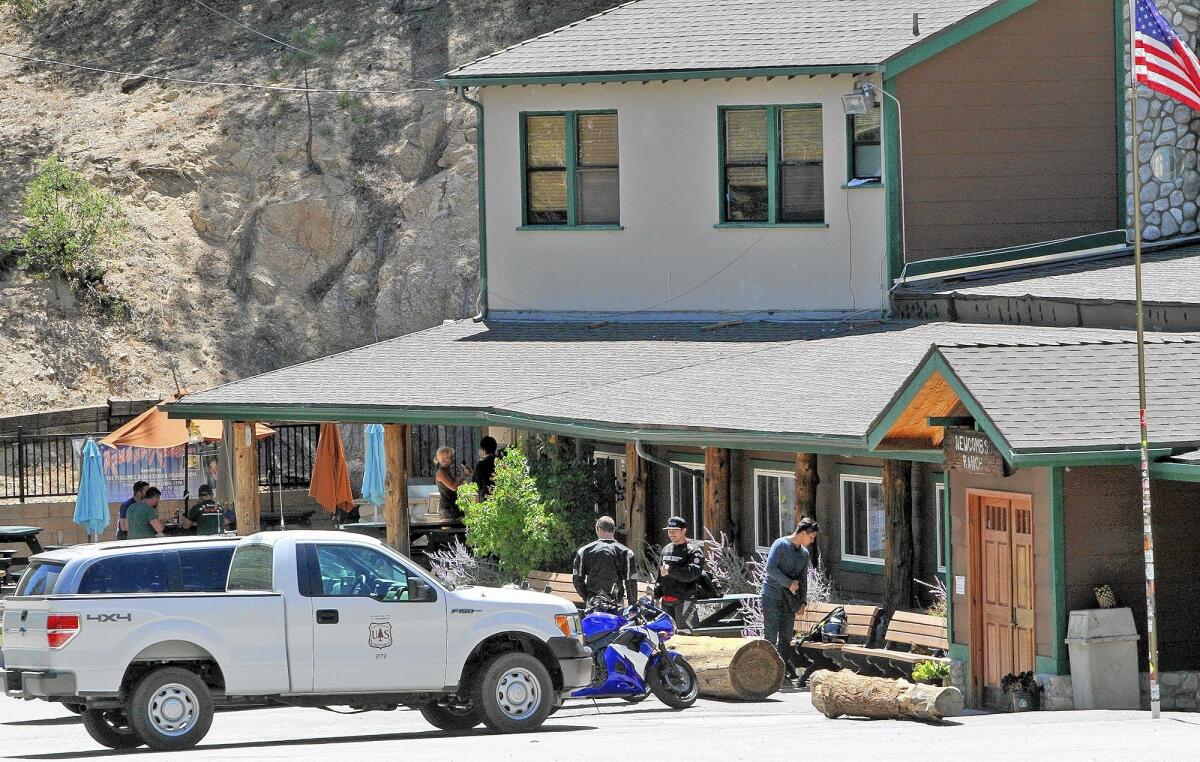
[18, 534]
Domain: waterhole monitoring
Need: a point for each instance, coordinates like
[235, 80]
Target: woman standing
[446, 483]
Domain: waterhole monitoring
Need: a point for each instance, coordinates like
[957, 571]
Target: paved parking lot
[785, 727]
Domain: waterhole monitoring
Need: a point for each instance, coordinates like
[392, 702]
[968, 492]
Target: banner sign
[163, 468]
[972, 451]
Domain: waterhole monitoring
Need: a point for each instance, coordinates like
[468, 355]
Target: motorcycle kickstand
[595, 705]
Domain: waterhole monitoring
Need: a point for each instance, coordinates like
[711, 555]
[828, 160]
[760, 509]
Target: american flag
[1161, 61]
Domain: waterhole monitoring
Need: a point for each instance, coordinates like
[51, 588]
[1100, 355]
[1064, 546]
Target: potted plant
[1023, 692]
[932, 673]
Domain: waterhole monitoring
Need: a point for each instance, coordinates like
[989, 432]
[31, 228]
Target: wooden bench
[559, 583]
[911, 638]
[861, 621]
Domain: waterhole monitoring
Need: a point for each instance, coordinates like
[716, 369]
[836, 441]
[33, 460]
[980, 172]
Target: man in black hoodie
[679, 575]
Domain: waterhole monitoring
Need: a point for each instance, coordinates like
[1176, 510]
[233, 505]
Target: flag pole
[1147, 526]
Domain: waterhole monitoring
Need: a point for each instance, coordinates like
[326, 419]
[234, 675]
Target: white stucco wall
[667, 136]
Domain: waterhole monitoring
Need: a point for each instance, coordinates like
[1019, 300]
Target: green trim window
[570, 173]
[610, 479]
[774, 506]
[862, 517]
[772, 164]
[687, 498]
[865, 146]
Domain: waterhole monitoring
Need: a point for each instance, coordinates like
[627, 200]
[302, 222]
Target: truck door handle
[327, 616]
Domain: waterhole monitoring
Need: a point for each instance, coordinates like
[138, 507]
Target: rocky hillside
[241, 254]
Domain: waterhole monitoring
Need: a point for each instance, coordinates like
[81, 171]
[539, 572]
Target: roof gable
[719, 35]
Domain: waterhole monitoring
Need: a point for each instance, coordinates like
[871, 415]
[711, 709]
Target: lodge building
[850, 263]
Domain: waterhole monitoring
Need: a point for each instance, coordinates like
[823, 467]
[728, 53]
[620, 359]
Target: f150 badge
[379, 634]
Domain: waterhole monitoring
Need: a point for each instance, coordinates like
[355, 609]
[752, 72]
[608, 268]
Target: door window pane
[360, 572]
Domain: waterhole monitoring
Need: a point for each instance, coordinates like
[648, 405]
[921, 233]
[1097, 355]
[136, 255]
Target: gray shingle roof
[1084, 396]
[688, 35]
[792, 380]
[1168, 277]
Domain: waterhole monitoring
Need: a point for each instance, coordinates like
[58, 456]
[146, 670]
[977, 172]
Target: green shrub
[69, 224]
[25, 8]
[514, 524]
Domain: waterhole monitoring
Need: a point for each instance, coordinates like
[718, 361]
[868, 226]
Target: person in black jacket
[679, 575]
[605, 567]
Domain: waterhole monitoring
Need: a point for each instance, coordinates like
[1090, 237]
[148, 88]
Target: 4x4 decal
[109, 617]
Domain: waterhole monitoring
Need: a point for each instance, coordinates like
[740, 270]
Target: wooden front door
[1003, 611]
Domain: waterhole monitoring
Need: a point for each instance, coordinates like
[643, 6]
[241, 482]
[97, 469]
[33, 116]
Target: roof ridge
[1078, 342]
[554, 31]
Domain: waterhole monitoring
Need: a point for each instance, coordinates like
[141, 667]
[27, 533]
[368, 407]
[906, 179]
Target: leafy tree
[69, 224]
[570, 487]
[514, 524]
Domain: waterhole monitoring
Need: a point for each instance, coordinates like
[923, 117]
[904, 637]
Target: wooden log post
[806, 487]
[637, 497]
[898, 535]
[716, 495]
[246, 504]
[747, 669]
[835, 694]
[396, 446]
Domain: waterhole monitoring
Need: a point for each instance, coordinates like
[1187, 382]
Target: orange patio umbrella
[330, 484]
[153, 429]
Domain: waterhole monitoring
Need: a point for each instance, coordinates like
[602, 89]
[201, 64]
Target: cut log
[845, 693]
[747, 669]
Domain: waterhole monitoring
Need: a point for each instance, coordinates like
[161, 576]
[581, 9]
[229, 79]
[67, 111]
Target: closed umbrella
[91, 503]
[374, 467]
[330, 485]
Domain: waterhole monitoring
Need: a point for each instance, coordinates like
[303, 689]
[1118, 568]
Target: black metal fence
[47, 465]
[40, 465]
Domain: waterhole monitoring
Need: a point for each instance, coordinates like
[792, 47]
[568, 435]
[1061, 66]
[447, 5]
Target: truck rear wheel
[514, 693]
[111, 728]
[171, 709]
[451, 718]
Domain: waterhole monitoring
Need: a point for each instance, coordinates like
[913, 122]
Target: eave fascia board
[831, 444]
[950, 36]
[653, 76]
[1055, 458]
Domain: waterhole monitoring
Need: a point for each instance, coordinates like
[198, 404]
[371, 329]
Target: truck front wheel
[450, 717]
[171, 709]
[110, 727]
[514, 693]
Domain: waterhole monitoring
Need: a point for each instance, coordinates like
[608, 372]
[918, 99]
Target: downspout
[482, 302]
[641, 453]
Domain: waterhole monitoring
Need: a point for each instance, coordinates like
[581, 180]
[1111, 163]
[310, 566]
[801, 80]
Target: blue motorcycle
[631, 659]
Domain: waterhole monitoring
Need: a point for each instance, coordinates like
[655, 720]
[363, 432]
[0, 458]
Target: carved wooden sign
[971, 451]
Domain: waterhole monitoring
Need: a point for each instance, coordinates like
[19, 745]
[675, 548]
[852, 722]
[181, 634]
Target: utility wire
[213, 83]
[252, 30]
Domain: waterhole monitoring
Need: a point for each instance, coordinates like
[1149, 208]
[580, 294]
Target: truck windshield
[251, 568]
[40, 578]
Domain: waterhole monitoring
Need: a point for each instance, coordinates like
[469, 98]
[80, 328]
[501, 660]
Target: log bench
[911, 638]
[861, 621]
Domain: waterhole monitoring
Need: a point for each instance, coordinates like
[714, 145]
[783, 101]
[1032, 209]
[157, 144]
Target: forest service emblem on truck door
[379, 634]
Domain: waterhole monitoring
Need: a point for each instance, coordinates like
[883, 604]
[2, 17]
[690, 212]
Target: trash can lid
[1095, 624]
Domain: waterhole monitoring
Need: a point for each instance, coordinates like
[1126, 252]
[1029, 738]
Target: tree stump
[845, 693]
[747, 669]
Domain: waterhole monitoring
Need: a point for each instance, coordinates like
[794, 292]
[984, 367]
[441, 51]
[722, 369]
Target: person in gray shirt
[785, 589]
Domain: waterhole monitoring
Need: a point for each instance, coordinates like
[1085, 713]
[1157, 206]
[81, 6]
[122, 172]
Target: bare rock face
[243, 255]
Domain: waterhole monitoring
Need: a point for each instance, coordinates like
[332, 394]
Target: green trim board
[952, 35]
[691, 458]
[948, 552]
[774, 161]
[1057, 664]
[655, 76]
[860, 566]
[571, 167]
[893, 183]
[853, 469]
[1176, 472]
[765, 464]
[1086, 457]
[1013, 254]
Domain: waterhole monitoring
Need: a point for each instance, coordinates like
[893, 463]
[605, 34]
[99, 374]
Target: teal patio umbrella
[374, 466]
[91, 503]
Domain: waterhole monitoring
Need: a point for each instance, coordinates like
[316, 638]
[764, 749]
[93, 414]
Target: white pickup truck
[307, 618]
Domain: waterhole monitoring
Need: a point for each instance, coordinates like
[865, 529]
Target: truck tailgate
[25, 633]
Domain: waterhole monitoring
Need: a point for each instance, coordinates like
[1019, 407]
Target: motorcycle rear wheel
[677, 685]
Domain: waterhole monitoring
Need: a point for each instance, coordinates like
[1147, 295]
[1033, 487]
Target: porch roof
[814, 386]
[1072, 397]
[672, 36]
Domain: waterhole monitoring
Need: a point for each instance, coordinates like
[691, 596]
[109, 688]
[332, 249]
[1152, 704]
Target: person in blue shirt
[785, 589]
[139, 491]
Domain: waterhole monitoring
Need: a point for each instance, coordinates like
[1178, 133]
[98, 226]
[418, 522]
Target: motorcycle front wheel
[673, 681]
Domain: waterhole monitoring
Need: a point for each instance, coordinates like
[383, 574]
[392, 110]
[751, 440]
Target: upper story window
[571, 174]
[772, 165]
[866, 159]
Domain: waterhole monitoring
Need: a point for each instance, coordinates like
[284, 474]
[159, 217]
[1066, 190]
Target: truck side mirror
[420, 591]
